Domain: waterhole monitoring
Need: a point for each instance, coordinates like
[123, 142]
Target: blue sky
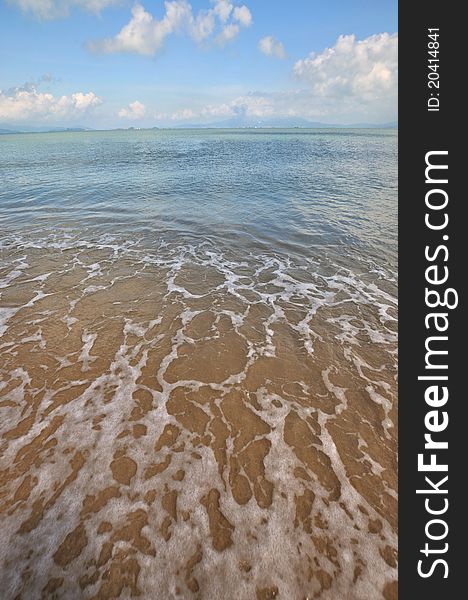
[112, 63]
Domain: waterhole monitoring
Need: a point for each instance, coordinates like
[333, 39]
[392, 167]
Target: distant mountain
[391, 125]
[243, 122]
[285, 123]
[6, 128]
[234, 123]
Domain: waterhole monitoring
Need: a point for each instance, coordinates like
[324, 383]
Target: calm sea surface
[198, 357]
[288, 191]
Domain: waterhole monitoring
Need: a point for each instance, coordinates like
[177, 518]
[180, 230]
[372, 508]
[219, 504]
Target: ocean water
[198, 358]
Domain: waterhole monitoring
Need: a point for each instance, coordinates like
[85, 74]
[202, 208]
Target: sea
[198, 358]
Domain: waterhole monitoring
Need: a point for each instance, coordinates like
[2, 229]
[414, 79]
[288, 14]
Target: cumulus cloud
[364, 70]
[145, 34]
[223, 10]
[182, 115]
[243, 15]
[27, 103]
[271, 47]
[135, 110]
[228, 33]
[55, 9]
[353, 81]
[249, 105]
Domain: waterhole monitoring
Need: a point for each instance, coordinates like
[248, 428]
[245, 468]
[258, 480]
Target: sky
[145, 63]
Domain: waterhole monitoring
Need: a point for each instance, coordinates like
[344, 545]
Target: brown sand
[182, 428]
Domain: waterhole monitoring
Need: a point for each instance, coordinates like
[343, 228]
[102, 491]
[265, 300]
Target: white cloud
[223, 9]
[363, 70]
[55, 9]
[243, 15]
[271, 47]
[203, 25]
[354, 81]
[26, 103]
[182, 115]
[145, 34]
[228, 33]
[252, 105]
[135, 110]
[249, 105]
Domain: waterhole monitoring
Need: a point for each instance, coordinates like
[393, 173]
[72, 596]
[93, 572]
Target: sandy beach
[187, 418]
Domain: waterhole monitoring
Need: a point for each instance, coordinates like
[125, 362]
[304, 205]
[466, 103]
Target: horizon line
[78, 129]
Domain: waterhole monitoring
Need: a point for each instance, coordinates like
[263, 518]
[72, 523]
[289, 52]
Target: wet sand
[184, 424]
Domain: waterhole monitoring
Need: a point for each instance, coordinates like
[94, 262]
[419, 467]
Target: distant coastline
[6, 130]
